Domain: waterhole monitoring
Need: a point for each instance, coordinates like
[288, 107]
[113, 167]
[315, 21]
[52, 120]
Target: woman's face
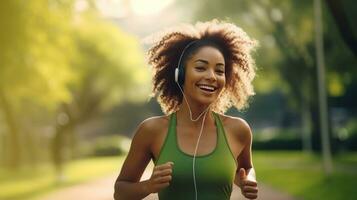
[205, 75]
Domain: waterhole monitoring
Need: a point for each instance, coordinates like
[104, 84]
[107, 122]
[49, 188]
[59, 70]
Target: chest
[187, 137]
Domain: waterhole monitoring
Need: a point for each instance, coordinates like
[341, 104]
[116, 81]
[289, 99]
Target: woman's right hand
[160, 178]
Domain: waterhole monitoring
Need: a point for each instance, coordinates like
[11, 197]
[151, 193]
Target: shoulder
[238, 127]
[151, 127]
[154, 123]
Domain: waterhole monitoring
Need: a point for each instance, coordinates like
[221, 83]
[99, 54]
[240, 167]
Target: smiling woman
[199, 72]
[208, 63]
[204, 75]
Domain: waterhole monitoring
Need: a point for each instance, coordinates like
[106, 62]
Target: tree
[31, 52]
[72, 65]
[285, 30]
[343, 24]
[110, 68]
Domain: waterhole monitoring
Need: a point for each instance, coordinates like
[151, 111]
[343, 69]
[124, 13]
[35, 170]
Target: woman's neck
[197, 112]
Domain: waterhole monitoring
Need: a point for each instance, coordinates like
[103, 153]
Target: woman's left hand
[248, 185]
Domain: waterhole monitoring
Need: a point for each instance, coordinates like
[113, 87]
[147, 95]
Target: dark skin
[205, 67]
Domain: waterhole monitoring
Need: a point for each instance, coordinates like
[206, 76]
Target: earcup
[176, 74]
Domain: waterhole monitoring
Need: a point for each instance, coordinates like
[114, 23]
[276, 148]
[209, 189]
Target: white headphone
[176, 74]
[177, 69]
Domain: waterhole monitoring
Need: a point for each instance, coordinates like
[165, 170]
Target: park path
[102, 189]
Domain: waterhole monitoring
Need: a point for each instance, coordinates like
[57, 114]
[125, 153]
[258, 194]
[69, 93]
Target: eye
[200, 68]
[220, 72]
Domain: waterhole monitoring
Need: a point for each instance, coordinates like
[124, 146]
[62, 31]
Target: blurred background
[74, 84]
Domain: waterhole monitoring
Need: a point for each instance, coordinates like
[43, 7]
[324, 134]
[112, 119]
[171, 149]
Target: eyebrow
[206, 62]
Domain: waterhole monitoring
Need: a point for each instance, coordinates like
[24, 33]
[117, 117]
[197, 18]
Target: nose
[211, 75]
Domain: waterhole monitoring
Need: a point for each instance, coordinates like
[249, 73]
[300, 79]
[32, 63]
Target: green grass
[302, 175]
[26, 184]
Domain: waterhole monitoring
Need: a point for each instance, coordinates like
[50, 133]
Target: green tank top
[215, 171]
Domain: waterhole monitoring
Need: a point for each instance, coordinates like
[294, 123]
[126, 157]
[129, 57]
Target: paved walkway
[102, 189]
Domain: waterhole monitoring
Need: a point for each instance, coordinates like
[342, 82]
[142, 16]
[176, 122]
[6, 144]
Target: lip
[207, 88]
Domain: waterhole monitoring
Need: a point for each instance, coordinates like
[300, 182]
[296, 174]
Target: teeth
[207, 87]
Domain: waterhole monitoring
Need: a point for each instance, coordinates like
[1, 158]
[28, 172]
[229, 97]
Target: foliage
[33, 50]
[59, 67]
[286, 57]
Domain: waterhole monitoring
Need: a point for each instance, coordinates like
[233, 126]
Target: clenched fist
[160, 178]
[248, 185]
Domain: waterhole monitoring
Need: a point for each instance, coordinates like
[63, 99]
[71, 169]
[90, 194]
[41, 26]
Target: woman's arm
[245, 177]
[127, 185]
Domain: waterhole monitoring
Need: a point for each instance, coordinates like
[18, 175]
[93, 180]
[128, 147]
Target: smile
[207, 88]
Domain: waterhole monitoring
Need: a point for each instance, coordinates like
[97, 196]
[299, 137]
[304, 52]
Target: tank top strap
[169, 142]
[223, 141]
[171, 133]
[218, 124]
[172, 125]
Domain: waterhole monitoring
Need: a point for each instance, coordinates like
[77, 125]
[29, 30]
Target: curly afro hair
[236, 47]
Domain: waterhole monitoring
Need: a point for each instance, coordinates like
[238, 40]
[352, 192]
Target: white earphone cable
[194, 155]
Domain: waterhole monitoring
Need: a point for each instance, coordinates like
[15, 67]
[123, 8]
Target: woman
[199, 72]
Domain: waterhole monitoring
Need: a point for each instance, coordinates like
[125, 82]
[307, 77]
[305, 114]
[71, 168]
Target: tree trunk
[306, 127]
[13, 158]
[58, 148]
